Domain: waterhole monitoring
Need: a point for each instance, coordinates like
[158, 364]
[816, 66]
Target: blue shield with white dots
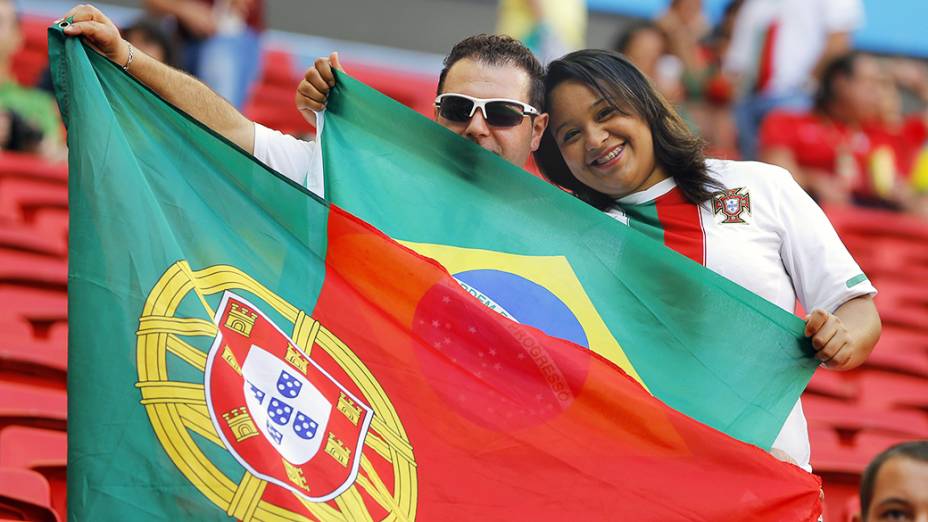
[288, 409]
[288, 385]
[279, 412]
[304, 426]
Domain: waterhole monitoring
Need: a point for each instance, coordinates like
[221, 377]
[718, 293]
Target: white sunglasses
[498, 112]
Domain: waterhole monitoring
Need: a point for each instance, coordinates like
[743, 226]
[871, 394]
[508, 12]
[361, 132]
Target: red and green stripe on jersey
[672, 220]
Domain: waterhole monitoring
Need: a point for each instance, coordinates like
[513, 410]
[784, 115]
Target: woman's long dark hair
[677, 150]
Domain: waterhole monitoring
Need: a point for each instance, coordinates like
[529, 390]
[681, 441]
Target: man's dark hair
[840, 67]
[609, 74]
[915, 450]
[499, 49]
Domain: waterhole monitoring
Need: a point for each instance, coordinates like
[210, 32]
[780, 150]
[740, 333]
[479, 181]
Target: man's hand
[830, 339]
[314, 89]
[99, 31]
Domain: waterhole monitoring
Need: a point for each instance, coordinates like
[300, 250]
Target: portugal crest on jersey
[265, 411]
[731, 204]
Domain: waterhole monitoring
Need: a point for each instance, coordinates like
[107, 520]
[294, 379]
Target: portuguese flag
[240, 348]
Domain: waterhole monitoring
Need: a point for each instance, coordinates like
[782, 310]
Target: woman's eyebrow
[592, 106]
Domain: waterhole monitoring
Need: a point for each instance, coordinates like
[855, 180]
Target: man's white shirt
[297, 159]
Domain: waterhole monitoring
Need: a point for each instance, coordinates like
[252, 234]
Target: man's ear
[539, 125]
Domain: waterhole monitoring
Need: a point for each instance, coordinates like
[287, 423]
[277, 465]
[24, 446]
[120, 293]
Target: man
[478, 69]
[895, 485]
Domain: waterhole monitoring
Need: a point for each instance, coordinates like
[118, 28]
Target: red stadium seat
[25, 495]
[278, 69]
[903, 304]
[32, 406]
[830, 455]
[16, 165]
[851, 418]
[37, 361]
[43, 451]
[416, 91]
[20, 197]
[886, 391]
[32, 448]
[898, 359]
[832, 384]
[29, 268]
[36, 304]
[30, 238]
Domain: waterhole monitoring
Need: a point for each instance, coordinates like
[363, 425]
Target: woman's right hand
[97, 30]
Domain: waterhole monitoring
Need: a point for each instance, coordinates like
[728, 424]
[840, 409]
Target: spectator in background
[149, 37]
[895, 485]
[26, 111]
[899, 139]
[549, 28]
[685, 26]
[646, 45]
[778, 51]
[826, 149]
[220, 42]
[16, 134]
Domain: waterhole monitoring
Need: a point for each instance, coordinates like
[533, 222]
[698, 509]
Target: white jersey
[763, 233]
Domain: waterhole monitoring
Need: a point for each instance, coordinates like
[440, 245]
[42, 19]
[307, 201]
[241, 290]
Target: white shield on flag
[290, 412]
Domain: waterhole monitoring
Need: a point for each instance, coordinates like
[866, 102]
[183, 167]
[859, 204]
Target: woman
[618, 145]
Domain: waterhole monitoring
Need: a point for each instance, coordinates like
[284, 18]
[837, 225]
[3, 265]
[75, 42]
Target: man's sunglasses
[498, 112]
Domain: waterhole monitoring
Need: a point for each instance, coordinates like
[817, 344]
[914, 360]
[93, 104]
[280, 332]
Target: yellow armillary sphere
[359, 435]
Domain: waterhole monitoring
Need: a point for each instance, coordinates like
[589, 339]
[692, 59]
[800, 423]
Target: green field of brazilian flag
[444, 337]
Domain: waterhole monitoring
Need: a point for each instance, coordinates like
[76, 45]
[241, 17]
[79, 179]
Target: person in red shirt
[826, 148]
[897, 140]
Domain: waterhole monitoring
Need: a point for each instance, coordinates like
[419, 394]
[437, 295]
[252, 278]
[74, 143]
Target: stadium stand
[852, 416]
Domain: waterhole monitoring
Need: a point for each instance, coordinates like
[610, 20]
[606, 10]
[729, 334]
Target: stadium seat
[43, 451]
[832, 384]
[32, 406]
[278, 69]
[25, 495]
[35, 304]
[17, 165]
[852, 418]
[902, 303]
[416, 91]
[830, 455]
[28, 268]
[20, 197]
[29, 238]
[887, 391]
[899, 359]
[31, 448]
[26, 359]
